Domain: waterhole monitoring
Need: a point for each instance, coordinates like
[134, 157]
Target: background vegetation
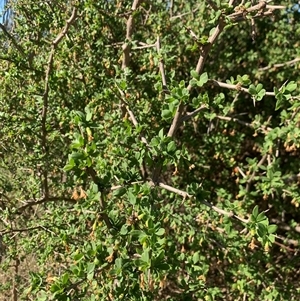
[149, 150]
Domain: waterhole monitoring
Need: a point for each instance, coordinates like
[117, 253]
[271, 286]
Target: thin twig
[237, 87]
[263, 128]
[184, 194]
[162, 68]
[42, 201]
[261, 162]
[14, 230]
[275, 66]
[131, 114]
[184, 14]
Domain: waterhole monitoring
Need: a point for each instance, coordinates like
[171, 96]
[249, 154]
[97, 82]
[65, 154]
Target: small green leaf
[261, 217]
[195, 74]
[119, 192]
[271, 238]
[252, 90]
[145, 256]
[65, 278]
[69, 167]
[89, 114]
[272, 229]
[193, 82]
[77, 155]
[292, 86]
[196, 257]
[131, 198]
[255, 212]
[161, 134]
[171, 146]
[160, 232]
[166, 114]
[261, 230]
[124, 230]
[259, 88]
[203, 79]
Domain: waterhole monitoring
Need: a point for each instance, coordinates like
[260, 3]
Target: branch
[162, 69]
[13, 40]
[263, 127]
[184, 194]
[129, 30]
[192, 114]
[131, 114]
[273, 67]
[42, 201]
[261, 162]
[184, 14]
[157, 167]
[46, 96]
[13, 230]
[237, 87]
[204, 50]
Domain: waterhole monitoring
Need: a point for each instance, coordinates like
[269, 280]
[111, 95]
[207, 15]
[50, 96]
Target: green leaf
[69, 166]
[272, 229]
[65, 278]
[171, 147]
[160, 232]
[254, 213]
[196, 257]
[119, 192]
[203, 79]
[291, 86]
[145, 255]
[89, 114]
[252, 90]
[166, 114]
[77, 155]
[261, 230]
[161, 134]
[259, 88]
[124, 230]
[261, 217]
[195, 74]
[131, 198]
